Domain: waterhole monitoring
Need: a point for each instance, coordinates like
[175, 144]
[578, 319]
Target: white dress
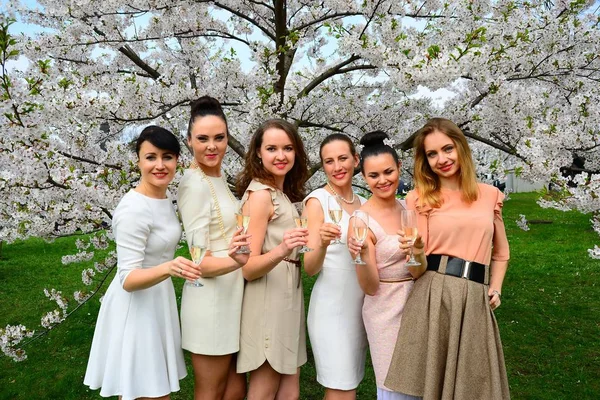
[335, 325]
[210, 315]
[136, 350]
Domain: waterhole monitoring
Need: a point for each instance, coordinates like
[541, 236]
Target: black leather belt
[458, 267]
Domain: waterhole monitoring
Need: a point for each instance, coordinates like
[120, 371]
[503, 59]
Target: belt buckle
[466, 269]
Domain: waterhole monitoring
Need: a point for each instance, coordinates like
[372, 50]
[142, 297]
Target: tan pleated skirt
[448, 345]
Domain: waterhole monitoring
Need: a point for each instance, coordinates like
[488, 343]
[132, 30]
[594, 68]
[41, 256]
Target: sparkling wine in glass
[198, 242]
[242, 221]
[360, 226]
[409, 225]
[334, 209]
[301, 222]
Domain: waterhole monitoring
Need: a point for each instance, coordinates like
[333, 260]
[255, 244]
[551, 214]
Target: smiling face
[157, 166]
[208, 140]
[338, 163]
[382, 174]
[277, 153]
[442, 155]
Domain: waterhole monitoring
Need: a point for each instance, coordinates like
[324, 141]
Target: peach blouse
[474, 232]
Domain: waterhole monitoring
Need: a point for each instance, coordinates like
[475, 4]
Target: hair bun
[206, 103]
[374, 138]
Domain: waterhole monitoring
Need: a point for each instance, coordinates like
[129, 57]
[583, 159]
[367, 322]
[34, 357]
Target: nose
[211, 145]
[337, 166]
[442, 158]
[159, 163]
[280, 155]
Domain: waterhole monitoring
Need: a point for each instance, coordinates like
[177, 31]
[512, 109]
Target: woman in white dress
[136, 351]
[210, 314]
[335, 324]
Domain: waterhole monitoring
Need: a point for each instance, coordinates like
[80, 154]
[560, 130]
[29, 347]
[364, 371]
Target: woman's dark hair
[337, 136]
[204, 106]
[159, 137]
[293, 185]
[373, 145]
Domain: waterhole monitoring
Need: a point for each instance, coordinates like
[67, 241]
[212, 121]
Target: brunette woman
[273, 343]
[336, 300]
[210, 314]
[385, 279]
[449, 345]
[136, 350]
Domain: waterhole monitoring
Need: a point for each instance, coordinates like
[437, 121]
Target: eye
[202, 138]
[168, 157]
[328, 161]
[289, 148]
[220, 138]
[150, 158]
[344, 158]
[270, 148]
[431, 154]
[449, 149]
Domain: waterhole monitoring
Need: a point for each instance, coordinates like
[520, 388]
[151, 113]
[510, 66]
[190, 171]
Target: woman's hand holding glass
[239, 241]
[408, 246]
[329, 234]
[297, 237]
[183, 268]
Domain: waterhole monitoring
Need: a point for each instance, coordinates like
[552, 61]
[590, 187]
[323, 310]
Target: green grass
[549, 319]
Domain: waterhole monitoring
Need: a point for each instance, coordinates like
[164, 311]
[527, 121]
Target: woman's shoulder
[489, 191]
[258, 185]
[319, 193]
[192, 177]
[134, 206]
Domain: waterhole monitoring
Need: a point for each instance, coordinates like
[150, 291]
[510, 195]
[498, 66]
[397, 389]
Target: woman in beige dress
[273, 336]
[210, 314]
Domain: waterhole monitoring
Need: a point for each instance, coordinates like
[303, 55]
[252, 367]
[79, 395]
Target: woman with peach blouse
[449, 345]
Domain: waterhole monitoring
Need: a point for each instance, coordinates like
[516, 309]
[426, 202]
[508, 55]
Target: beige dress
[273, 322]
[210, 315]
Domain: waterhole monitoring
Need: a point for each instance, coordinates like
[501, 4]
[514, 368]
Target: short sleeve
[500, 250]
[132, 222]
[255, 186]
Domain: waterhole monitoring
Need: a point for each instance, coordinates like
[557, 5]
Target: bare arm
[320, 235]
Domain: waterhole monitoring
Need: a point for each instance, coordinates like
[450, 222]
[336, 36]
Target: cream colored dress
[210, 315]
[273, 322]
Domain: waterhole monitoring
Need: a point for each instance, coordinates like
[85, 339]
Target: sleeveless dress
[210, 315]
[136, 350]
[382, 312]
[273, 318]
[335, 324]
[449, 345]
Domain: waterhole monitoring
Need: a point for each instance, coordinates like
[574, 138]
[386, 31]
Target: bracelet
[497, 292]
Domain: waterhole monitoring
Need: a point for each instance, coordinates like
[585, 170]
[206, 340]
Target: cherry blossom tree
[524, 78]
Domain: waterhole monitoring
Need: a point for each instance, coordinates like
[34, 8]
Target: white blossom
[522, 222]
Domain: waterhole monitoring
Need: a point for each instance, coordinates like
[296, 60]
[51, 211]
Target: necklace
[340, 197]
[213, 194]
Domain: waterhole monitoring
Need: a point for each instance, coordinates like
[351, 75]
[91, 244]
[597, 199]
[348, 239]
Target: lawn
[549, 318]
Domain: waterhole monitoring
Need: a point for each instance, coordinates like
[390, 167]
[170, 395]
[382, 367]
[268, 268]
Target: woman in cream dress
[210, 314]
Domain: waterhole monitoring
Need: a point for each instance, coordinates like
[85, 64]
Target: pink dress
[382, 312]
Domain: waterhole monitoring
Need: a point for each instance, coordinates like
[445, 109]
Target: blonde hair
[427, 182]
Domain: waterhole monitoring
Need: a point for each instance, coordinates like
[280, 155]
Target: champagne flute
[409, 225]
[301, 222]
[335, 213]
[198, 242]
[360, 226]
[242, 221]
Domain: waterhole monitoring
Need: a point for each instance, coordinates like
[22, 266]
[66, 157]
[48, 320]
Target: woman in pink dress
[449, 346]
[385, 278]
